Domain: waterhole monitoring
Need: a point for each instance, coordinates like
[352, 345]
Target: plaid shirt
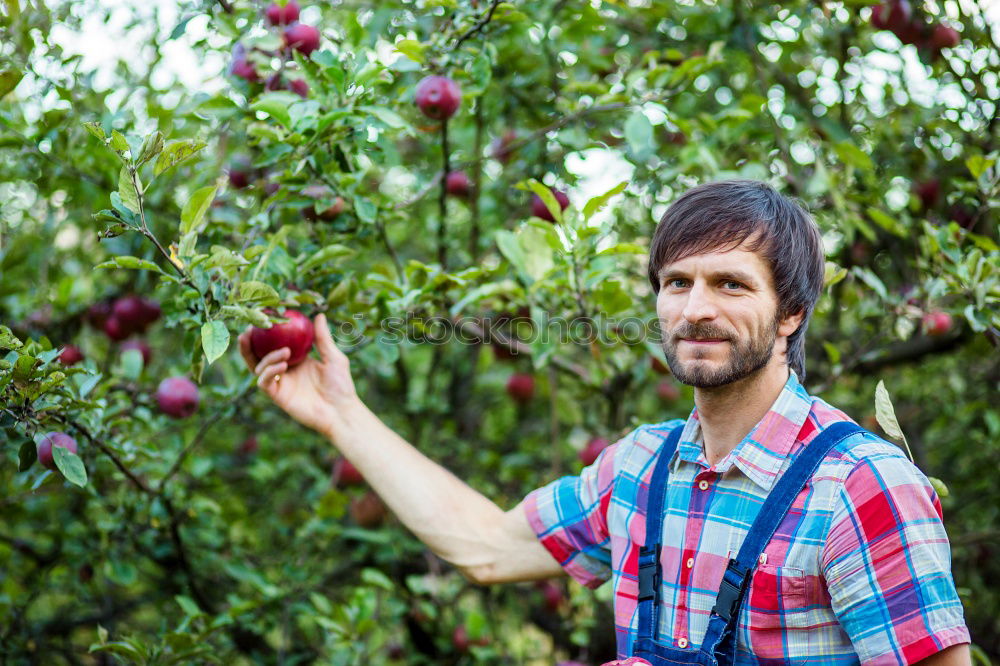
[859, 569]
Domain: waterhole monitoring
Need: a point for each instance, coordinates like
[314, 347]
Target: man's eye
[734, 284]
[673, 282]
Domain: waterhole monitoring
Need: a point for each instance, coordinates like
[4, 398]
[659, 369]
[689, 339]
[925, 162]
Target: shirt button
[682, 642]
[703, 484]
[690, 562]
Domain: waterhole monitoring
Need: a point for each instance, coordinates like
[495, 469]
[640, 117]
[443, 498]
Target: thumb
[328, 351]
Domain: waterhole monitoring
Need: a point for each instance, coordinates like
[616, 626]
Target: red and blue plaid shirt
[859, 569]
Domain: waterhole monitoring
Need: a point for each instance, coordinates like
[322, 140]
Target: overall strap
[736, 579]
[649, 554]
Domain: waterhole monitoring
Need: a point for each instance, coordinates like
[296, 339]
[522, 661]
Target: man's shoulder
[861, 449]
[636, 449]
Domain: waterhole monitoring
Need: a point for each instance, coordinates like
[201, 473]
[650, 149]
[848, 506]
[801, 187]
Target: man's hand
[313, 391]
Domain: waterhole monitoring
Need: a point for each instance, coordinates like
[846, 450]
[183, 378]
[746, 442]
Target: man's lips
[703, 341]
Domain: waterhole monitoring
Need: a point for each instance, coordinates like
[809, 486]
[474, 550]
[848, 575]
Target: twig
[479, 25]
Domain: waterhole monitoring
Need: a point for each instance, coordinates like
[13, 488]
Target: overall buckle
[730, 592]
[649, 571]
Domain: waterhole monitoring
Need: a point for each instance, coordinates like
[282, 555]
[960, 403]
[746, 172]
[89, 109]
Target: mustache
[702, 332]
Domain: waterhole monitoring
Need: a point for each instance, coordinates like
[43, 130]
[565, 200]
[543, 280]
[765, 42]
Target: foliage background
[179, 548]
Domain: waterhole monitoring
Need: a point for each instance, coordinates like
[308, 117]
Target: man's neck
[729, 412]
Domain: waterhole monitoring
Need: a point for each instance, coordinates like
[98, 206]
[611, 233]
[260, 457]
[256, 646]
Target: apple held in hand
[177, 397]
[297, 334]
[54, 439]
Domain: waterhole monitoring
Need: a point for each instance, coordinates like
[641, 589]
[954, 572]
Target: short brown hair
[722, 215]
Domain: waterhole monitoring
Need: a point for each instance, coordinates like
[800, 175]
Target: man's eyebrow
[729, 274]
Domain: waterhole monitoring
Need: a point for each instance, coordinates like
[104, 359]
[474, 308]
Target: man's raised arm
[455, 521]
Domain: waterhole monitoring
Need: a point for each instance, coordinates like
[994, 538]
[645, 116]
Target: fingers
[266, 378]
[328, 350]
[271, 358]
[245, 350]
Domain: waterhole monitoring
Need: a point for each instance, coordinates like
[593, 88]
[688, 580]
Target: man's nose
[700, 305]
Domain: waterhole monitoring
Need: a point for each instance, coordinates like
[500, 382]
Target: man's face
[717, 312]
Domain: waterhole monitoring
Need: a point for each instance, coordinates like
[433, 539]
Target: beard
[745, 357]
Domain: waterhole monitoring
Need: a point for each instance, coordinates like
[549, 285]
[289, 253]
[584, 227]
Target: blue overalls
[719, 645]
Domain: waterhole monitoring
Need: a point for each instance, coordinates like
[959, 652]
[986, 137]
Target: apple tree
[467, 191]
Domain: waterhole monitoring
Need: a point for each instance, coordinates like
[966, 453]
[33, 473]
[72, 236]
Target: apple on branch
[297, 333]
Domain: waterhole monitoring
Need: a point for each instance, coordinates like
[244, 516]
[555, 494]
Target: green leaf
[412, 49]
[598, 202]
[9, 78]
[134, 263]
[26, 455]
[96, 130]
[886, 416]
[376, 578]
[939, 486]
[832, 273]
[70, 465]
[8, 340]
[509, 247]
[262, 294]
[324, 255]
[214, 339]
[852, 155]
[151, 147]
[127, 191]
[118, 142]
[366, 210]
[195, 208]
[545, 194]
[977, 165]
[639, 135]
[131, 364]
[623, 248]
[887, 222]
[831, 352]
[387, 116]
[872, 280]
[176, 152]
[188, 605]
[275, 104]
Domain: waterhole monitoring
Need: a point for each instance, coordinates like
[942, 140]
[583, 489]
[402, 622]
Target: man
[854, 567]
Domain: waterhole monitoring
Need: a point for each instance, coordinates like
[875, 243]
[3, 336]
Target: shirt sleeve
[887, 563]
[570, 517]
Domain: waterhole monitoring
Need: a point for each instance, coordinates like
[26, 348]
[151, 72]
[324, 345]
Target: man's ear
[791, 323]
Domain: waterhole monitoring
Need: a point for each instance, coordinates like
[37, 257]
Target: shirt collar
[762, 453]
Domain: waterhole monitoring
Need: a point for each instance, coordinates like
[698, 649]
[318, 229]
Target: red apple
[297, 334]
[457, 184]
[345, 473]
[521, 387]
[241, 66]
[141, 346]
[658, 366]
[248, 447]
[303, 38]
[177, 397]
[668, 391]
[53, 439]
[318, 192]
[438, 97]
[937, 323]
[893, 15]
[944, 37]
[593, 449]
[98, 313]
[501, 146]
[282, 15]
[539, 209]
[552, 594]
[114, 329]
[299, 87]
[240, 173]
[928, 192]
[367, 511]
[70, 355]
